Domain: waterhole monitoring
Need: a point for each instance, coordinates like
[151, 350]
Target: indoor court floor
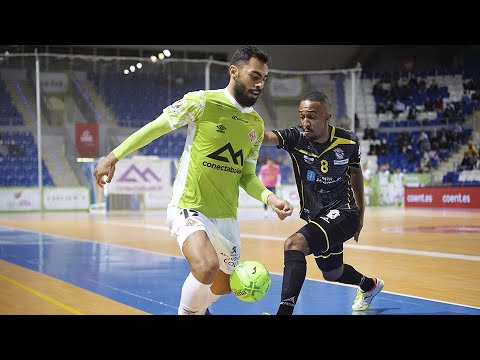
[127, 263]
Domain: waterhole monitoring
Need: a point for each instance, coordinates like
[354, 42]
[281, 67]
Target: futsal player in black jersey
[329, 179]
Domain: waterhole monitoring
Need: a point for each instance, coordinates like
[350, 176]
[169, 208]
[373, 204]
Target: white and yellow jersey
[220, 154]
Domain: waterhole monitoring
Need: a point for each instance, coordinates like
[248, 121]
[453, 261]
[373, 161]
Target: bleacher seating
[388, 125]
[19, 166]
[9, 115]
[139, 98]
[462, 178]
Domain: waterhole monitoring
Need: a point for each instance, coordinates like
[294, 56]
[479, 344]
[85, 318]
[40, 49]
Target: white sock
[212, 298]
[194, 297]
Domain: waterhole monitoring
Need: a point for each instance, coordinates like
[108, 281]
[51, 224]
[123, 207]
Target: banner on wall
[68, 198]
[54, 198]
[415, 180]
[143, 174]
[20, 199]
[53, 82]
[465, 197]
[291, 87]
[86, 138]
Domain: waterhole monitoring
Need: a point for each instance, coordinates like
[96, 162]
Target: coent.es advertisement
[443, 197]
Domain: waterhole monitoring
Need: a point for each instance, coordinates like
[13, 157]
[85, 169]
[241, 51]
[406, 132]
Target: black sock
[353, 277]
[294, 273]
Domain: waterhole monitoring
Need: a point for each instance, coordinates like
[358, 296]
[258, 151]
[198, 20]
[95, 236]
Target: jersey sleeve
[252, 184]
[145, 135]
[186, 110]
[356, 155]
[288, 137]
[173, 117]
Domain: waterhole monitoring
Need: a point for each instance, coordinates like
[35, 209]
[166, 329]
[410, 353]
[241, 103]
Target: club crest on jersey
[176, 105]
[339, 153]
[340, 157]
[308, 159]
[252, 136]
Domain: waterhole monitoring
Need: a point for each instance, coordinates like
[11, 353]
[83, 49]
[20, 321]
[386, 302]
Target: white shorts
[224, 234]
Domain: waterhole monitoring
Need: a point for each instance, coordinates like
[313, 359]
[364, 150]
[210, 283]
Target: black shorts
[326, 234]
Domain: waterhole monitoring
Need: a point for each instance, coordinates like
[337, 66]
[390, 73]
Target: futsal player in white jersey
[384, 184]
[398, 187]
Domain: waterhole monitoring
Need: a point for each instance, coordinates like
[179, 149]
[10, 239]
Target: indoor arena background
[66, 247]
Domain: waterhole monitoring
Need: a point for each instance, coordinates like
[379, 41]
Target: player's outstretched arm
[270, 138]
[282, 207]
[105, 167]
[135, 141]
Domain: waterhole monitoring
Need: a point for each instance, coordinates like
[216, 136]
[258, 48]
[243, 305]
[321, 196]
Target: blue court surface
[152, 281]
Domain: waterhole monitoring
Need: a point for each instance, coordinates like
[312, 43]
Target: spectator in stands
[398, 108]
[402, 141]
[472, 151]
[433, 86]
[475, 97]
[412, 112]
[468, 162]
[384, 147]
[428, 104]
[404, 92]
[4, 149]
[15, 150]
[458, 133]
[469, 84]
[438, 104]
[389, 106]
[442, 139]
[372, 150]
[377, 89]
[422, 85]
[465, 98]
[413, 83]
[424, 142]
[369, 134]
[434, 158]
[424, 165]
[225, 135]
[449, 112]
[380, 108]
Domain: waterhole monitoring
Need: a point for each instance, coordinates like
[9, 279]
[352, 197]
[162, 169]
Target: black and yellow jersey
[322, 171]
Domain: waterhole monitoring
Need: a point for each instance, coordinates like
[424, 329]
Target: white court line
[351, 246]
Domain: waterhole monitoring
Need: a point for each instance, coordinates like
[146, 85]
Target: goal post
[76, 108]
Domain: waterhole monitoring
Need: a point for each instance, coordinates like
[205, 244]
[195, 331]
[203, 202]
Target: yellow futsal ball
[250, 281]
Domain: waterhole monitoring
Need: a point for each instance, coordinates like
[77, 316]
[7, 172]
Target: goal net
[72, 110]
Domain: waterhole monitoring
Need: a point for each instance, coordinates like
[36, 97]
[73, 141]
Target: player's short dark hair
[317, 96]
[244, 53]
